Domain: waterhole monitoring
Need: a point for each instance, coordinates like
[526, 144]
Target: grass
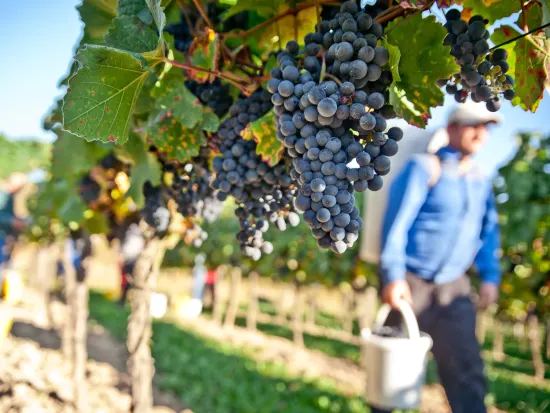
[224, 379]
[214, 377]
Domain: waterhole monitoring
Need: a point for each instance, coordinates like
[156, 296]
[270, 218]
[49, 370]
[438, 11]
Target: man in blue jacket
[441, 219]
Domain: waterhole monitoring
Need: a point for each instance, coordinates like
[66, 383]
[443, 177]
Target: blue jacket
[438, 232]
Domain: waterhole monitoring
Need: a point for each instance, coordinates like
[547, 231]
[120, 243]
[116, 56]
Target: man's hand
[18, 224]
[488, 294]
[396, 291]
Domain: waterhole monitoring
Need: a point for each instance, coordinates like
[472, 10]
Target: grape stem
[318, 13]
[183, 8]
[292, 11]
[423, 9]
[521, 35]
[338, 81]
[524, 16]
[203, 14]
[236, 80]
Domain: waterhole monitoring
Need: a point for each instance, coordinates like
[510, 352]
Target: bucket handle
[408, 316]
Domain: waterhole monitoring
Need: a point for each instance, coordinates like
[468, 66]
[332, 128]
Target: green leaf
[423, 60]
[131, 7]
[146, 10]
[174, 140]
[395, 56]
[491, 9]
[264, 133]
[210, 121]
[131, 34]
[96, 16]
[172, 95]
[97, 223]
[145, 167]
[72, 156]
[102, 94]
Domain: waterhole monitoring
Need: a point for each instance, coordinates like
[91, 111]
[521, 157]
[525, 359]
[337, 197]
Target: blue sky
[36, 42]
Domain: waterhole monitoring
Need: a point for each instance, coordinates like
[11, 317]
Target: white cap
[471, 113]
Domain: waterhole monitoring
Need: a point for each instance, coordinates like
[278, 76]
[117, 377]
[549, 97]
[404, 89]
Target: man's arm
[406, 197]
[487, 259]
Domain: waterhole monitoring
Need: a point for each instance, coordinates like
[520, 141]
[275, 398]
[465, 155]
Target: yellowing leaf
[263, 132]
[291, 27]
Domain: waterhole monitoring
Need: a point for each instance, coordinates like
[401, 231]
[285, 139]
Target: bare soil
[35, 378]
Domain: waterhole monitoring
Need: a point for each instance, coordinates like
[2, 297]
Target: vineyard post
[252, 313]
[219, 302]
[498, 341]
[535, 343]
[140, 362]
[70, 289]
[348, 308]
[80, 332]
[311, 307]
[297, 316]
[234, 297]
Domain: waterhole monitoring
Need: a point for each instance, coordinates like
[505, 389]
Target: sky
[36, 42]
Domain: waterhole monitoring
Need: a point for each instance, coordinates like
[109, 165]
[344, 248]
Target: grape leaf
[491, 9]
[531, 73]
[210, 121]
[146, 10]
[96, 16]
[145, 167]
[204, 52]
[172, 95]
[175, 141]
[263, 132]
[291, 27]
[72, 156]
[395, 56]
[102, 94]
[131, 34]
[424, 59]
[96, 223]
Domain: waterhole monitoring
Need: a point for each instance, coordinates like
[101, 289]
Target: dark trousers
[447, 314]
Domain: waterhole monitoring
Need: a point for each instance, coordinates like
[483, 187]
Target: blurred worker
[199, 277]
[10, 225]
[440, 219]
[210, 287]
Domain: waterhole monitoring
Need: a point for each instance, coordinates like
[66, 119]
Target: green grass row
[214, 377]
[507, 385]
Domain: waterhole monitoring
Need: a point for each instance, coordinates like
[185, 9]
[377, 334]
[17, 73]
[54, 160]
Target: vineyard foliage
[523, 189]
[173, 89]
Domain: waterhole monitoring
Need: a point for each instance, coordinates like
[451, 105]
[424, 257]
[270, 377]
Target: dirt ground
[34, 377]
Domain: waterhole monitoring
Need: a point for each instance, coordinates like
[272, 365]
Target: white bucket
[396, 366]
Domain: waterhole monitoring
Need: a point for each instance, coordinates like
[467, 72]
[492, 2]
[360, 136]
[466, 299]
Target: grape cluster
[190, 187]
[89, 189]
[215, 95]
[155, 212]
[483, 73]
[326, 124]
[263, 193]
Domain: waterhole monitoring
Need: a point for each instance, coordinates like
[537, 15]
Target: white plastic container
[396, 367]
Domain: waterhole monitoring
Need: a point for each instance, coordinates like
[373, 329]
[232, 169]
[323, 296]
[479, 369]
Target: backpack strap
[432, 163]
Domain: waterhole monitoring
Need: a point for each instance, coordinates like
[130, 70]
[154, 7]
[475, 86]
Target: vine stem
[203, 14]
[524, 15]
[410, 15]
[521, 35]
[278, 17]
[215, 73]
[183, 8]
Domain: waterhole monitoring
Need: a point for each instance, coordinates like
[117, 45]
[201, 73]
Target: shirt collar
[448, 153]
